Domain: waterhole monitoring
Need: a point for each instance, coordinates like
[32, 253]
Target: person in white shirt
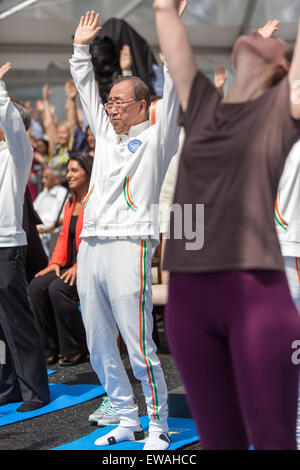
[49, 204]
[119, 232]
[23, 374]
[287, 220]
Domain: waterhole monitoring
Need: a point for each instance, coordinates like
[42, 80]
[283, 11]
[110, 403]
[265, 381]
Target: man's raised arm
[13, 127]
[294, 79]
[82, 70]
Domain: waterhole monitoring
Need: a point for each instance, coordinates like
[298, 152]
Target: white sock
[157, 440]
[120, 434]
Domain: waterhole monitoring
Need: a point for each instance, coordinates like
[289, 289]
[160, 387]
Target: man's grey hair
[55, 172]
[24, 115]
[140, 89]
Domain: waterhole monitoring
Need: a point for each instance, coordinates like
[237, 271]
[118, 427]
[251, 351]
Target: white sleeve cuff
[2, 86]
[81, 50]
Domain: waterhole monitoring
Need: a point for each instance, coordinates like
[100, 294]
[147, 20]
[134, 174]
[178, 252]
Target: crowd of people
[80, 195]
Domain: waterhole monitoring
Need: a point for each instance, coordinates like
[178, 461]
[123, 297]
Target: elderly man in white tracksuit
[120, 229]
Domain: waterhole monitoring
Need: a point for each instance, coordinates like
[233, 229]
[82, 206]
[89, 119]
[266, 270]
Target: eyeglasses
[118, 104]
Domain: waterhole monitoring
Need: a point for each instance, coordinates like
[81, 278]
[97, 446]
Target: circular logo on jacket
[134, 145]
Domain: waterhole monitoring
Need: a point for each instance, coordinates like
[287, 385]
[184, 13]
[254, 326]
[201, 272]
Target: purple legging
[231, 335]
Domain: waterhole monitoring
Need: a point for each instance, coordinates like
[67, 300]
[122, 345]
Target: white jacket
[287, 209]
[16, 156]
[128, 170]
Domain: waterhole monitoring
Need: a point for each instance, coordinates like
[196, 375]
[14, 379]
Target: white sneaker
[105, 409]
[157, 441]
[120, 434]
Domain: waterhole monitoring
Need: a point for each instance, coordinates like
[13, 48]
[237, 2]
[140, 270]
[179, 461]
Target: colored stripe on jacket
[279, 219]
[127, 195]
[86, 199]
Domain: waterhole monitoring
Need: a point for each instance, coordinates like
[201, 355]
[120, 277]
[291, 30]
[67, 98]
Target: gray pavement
[54, 429]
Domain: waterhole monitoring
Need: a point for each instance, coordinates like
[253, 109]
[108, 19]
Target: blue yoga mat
[182, 432]
[61, 396]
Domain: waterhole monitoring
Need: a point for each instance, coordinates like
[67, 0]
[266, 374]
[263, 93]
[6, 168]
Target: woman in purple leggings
[230, 320]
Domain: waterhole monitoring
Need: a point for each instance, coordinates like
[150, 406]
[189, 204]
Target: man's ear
[143, 107]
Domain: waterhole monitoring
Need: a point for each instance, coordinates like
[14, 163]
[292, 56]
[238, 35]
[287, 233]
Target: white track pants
[114, 286]
[292, 271]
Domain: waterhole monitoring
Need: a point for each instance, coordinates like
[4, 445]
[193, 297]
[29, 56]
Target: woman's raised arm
[175, 46]
[294, 78]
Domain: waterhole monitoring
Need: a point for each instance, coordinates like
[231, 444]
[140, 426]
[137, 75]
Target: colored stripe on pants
[297, 267]
[142, 330]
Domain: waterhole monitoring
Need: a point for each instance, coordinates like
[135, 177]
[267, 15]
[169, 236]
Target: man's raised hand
[4, 69]
[87, 29]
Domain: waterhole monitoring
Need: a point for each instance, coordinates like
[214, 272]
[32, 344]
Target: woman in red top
[53, 293]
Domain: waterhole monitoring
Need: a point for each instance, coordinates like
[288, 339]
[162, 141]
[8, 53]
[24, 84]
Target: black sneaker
[31, 405]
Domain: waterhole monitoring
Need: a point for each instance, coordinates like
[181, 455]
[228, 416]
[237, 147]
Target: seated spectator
[60, 135]
[83, 140]
[62, 149]
[36, 128]
[40, 161]
[90, 139]
[49, 204]
[53, 293]
[41, 151]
